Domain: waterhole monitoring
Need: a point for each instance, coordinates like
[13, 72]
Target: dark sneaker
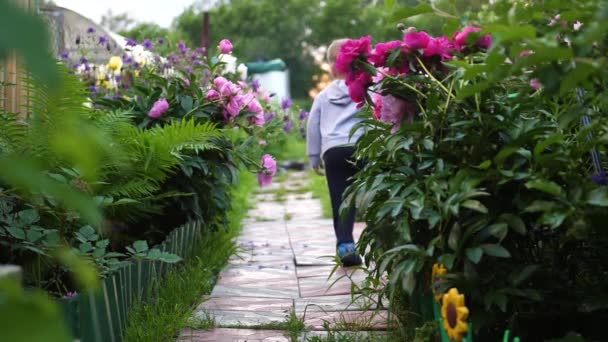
[347, 252]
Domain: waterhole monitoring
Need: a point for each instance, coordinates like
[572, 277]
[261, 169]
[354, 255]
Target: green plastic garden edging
[102, 316]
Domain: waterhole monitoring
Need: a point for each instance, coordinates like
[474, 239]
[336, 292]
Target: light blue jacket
[331, 120]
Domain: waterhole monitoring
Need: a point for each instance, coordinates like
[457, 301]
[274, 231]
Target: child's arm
[313, 134]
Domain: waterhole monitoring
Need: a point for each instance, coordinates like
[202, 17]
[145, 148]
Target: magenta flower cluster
[234, 98]
[269, 170]
[415, 49]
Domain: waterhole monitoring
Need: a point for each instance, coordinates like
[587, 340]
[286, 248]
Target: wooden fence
[11, 73]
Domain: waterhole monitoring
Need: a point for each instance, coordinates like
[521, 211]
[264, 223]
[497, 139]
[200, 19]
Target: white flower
[242, 70]
[230, 63]
[577, 25]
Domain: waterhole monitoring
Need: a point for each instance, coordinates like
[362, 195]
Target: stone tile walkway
[284, 267]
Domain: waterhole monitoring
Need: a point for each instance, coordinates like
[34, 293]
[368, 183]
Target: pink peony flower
[255, 106]
[382, 51]
[225, 46]
[534, 83]
[393, 109]
[377, 98]
[218, 82]
[460, 39]
[235, 105]
[229, 89]
[350, 51]
[357, 87]
[380, 75]
[158, 109]
[417, 40]
[269, 170]
[439, 46]
[212, 95]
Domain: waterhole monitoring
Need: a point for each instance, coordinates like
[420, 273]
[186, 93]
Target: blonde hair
[333, 49]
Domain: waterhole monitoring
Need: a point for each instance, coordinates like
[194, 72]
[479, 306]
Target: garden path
[281, 278]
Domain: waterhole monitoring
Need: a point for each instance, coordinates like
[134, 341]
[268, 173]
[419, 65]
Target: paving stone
[248, 319]
[338, 284]
[252, 291]
[257, 304]
[314, 271]
[334, 303]
[347, 320]
[232, 335]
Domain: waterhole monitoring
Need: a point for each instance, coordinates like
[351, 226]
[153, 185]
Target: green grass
[293, 326]
[294, 149]
[162, 317]
[318, 187]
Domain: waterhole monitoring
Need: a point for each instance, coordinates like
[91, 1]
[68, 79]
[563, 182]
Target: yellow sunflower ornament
[455, 315]
[438, 269]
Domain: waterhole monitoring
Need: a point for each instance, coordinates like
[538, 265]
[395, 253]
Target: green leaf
[170, 258]
[507, 33]
[474, 254]
[154, 254]
[406, 12]
[29, 216]
[520, 276]
[454, 238]
[474, 205]
[515, 222]
[549, 187]
[409, 282]
[598, 197]
[495, 250]
[499, 230]
[16, 232]
[388, 4]
[140, 246]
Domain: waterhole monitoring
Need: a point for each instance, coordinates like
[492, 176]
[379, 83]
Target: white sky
[161, 12]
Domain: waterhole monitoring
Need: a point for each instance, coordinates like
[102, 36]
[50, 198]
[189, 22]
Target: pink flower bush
[440, 46]
[460, 39]
[392, 110]
[357, 86]
[351, 50]
[226, 46]
[417, 40]
[159, 108]
[269, 170]
[382, 51]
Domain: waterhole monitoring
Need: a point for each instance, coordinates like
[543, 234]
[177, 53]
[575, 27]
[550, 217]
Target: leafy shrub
[492, 177]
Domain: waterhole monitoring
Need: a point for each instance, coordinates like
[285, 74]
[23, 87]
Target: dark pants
[339, 169]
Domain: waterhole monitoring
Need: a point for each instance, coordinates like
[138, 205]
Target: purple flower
[118, 78]
[212, 95]
[600, 178]
[188, 70]
[91, 30]
[84, 60]
[131, 42]
[161, 41]
[136, 66]
[304, 115]
[70, 295]
[286, 104]
[127, 59]
[159, 108]
[174, 59]
[269, 116]
[182, 48]
[65, 55]
[148, 45]
[255, 84]
[103, 40]
[225, 46]
[94, 89]
[288, 127]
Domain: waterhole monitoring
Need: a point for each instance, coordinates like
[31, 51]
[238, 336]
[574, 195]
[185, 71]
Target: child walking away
[331, 120]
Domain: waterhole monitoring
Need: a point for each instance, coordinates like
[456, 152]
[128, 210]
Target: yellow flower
[115, 63]
[455, 315]
[438, 269]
